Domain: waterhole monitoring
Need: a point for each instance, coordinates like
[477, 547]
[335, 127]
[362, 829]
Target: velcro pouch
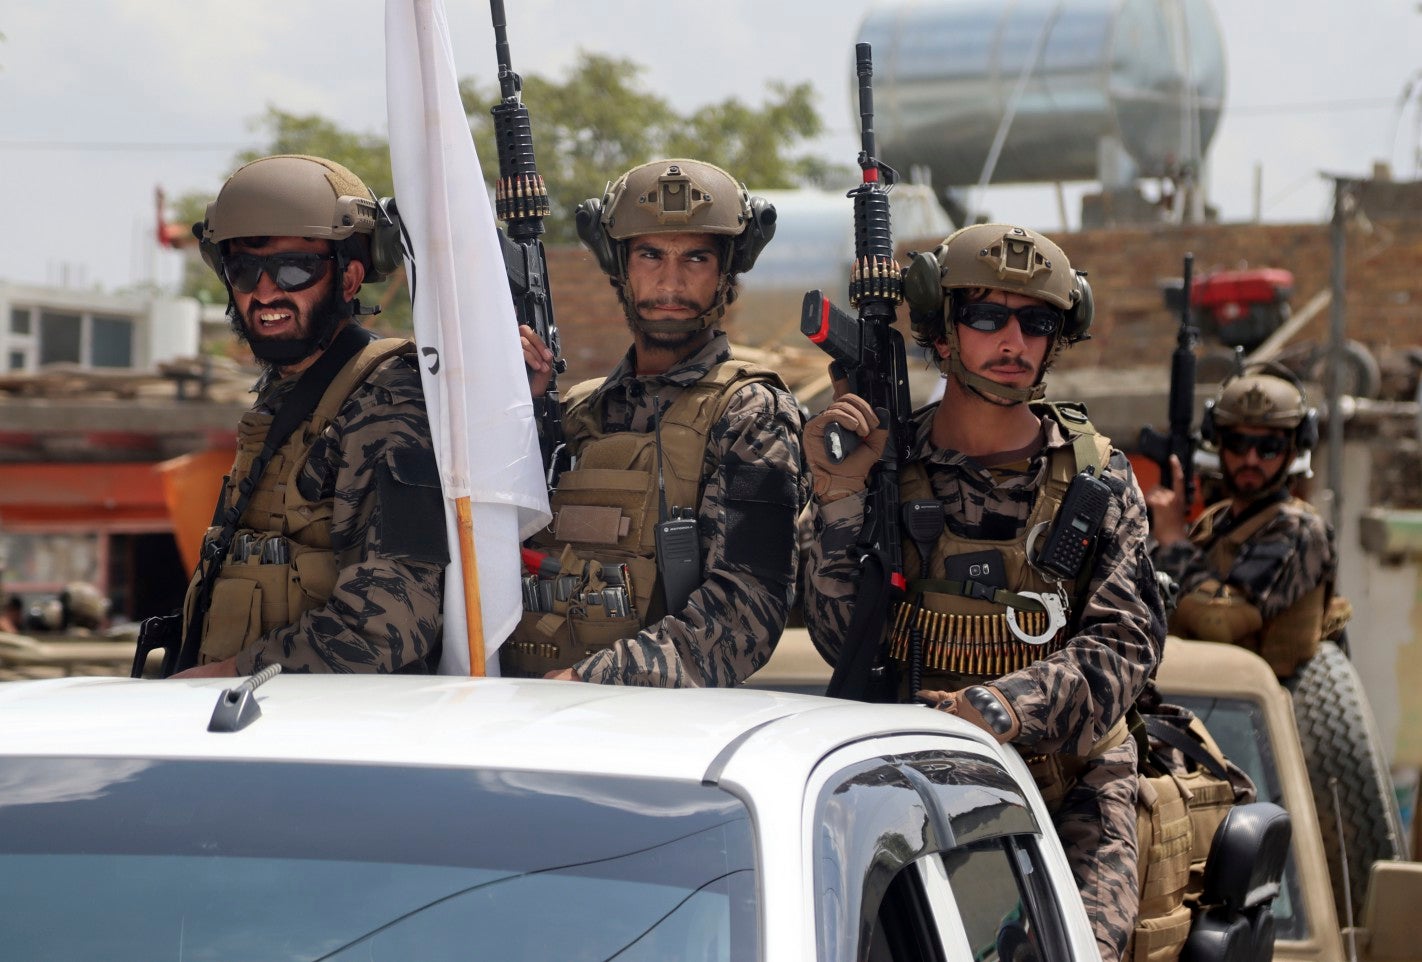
[234, 619]
[590, 524]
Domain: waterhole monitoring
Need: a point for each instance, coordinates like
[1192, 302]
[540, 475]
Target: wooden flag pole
[473, 610]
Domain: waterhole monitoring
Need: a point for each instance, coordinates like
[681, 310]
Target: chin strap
[700, 322]
[983, 386]
[986, 386]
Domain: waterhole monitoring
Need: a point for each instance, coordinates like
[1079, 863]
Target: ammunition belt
[970, 644]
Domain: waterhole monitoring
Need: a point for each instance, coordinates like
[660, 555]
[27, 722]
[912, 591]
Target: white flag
[471, 364]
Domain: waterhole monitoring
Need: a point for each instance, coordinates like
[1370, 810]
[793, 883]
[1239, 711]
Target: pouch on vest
[1164, 837]
[590, 606]
[1187, 786]
[267, 582]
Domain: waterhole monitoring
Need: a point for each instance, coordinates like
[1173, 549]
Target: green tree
[587, 128]
[598, 121]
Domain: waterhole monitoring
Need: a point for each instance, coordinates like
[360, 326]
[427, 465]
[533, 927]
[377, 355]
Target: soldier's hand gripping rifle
[1180, 441]
[521, 202]
[869, 353]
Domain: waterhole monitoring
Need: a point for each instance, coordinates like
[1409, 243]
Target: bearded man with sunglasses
[327, 550]
[1045, 649]
[1256, 569]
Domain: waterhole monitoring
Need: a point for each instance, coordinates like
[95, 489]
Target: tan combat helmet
[290, 195]
[1000, 257]
[297, 195]
[1264, 395]
[1260, 400]
[677, 195]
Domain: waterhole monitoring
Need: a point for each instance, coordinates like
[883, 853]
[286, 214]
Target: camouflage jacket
[1286, 559]
[384, 613]
[1067, 701]
[733, 620]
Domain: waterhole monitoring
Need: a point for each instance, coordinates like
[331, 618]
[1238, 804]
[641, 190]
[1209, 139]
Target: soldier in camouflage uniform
[1047, 663]
[1256, 569]
[672, 235]
[337, 564]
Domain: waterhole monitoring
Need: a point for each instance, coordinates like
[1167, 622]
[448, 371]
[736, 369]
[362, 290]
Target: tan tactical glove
[982, 705]
[837, 480]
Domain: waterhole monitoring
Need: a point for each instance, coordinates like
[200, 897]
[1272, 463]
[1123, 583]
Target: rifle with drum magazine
[869, 355]
[521, 202]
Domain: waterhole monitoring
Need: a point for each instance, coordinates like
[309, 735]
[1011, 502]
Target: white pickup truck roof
[497, 723]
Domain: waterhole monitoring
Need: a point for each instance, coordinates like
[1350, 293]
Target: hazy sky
[101, 101]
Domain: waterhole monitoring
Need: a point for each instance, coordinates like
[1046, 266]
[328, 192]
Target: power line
[117, 146]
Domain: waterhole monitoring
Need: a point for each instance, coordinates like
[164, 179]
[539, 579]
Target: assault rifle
[521, 202]
[869, 353]
[1180, 441]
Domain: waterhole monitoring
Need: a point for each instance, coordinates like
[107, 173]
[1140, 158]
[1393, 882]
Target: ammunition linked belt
[970, 644]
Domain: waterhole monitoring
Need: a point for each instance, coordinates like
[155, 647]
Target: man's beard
[1267, 486]
[324, 317]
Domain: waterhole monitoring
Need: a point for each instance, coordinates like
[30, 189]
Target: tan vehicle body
[1385, 925]
[1385, 929]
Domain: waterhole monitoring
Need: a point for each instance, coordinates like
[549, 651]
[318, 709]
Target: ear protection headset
[744, 249]
[387, 241]
[1304, 434]
[927, 298]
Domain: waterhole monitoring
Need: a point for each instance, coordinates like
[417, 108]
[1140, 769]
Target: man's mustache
[1015, 364]
[662, 304]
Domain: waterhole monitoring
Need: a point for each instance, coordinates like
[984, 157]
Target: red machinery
[1242, 308]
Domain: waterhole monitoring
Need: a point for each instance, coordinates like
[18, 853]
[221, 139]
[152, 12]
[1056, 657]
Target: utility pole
[1345, 201]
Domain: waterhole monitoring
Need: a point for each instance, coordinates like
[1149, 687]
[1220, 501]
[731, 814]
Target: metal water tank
[1085, 85]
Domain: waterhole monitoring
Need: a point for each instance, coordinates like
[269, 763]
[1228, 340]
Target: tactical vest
[280, 564]
[966, 630]
[605, 512]
[1291, 637]
[1178, 809]
[967, 638]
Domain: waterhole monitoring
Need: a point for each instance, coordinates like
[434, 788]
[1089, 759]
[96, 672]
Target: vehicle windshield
[135, 859]
[1238, 728]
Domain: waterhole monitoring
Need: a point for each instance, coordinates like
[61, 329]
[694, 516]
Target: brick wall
[1126, 266]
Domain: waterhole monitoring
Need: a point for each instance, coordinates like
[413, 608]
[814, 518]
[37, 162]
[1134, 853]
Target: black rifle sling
[298, 406]
[854, 675]
[1162, 729]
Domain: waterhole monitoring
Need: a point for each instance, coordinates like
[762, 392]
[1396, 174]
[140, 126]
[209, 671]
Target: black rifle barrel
[870, 352]
[521, 202]
[1182, 387]
[509, 82]
[864, 64]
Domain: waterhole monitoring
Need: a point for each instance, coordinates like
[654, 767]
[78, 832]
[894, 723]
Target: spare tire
[1362, 377]
[1341, 748]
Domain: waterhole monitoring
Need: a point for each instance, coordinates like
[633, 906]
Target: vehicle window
[1238, 727]
[882, 820]
[991, 904]
[139, 860]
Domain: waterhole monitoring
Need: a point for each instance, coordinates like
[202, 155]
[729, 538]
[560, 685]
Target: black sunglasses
[289, 272]
[1035, 320]
[1268, 445]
